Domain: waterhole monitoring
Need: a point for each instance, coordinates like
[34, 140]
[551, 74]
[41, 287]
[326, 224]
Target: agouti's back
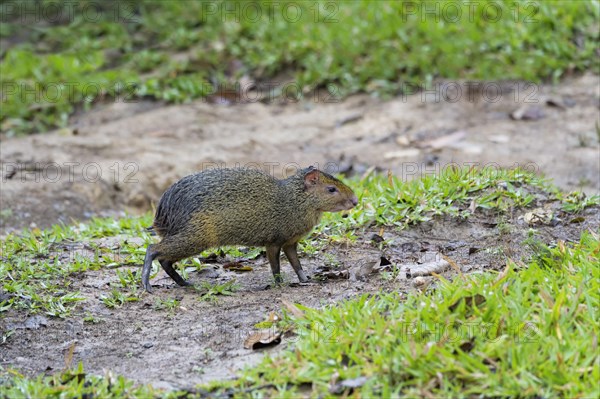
[234, 206]
[243, 207]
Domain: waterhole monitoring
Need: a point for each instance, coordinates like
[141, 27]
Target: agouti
[220, 207]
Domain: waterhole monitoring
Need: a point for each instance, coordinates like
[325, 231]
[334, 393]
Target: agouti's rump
[242, 207]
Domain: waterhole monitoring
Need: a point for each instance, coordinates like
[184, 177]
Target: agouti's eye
[332, 189]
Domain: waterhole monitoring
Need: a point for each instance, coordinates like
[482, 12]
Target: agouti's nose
[354, 200]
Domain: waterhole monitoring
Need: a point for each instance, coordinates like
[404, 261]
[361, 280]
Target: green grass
[72, 383]
[530, 331]
[178, 51]
[529, 334]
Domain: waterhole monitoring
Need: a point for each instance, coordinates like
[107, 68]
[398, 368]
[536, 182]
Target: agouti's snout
[353, 202]
[242, 207]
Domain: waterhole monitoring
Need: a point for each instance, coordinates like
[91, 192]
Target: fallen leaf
[237, 267]
[262, 339]
[332, 274]
[538, 216]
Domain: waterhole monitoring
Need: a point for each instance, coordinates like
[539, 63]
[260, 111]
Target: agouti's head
[331, 194]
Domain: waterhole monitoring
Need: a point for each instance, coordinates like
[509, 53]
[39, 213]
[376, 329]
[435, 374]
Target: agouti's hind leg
[167, 265]
[151, 254]
[273, 257]
[291, 251]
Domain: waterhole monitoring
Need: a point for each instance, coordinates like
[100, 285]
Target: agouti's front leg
[291, 251]
[273, 252]
[150, 255]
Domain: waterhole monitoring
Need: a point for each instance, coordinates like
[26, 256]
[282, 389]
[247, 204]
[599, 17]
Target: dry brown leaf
[263, 338]
[333, 274]
[538, 216]
[237, 267]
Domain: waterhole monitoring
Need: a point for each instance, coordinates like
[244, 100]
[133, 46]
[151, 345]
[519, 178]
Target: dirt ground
[155, 145]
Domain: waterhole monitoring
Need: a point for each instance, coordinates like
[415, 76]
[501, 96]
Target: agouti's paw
[302, 276]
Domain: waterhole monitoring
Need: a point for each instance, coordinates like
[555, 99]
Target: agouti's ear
[311, 178]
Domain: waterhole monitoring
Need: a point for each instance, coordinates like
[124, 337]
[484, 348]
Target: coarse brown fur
[242, 207]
